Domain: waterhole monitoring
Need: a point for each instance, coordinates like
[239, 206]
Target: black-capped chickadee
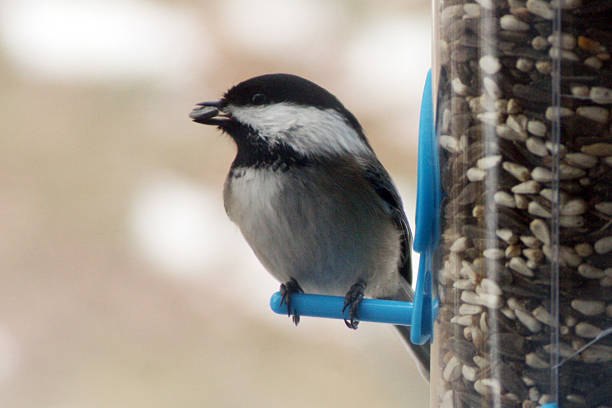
[310, 196]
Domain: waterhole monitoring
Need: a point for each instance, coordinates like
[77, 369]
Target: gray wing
[381, 182]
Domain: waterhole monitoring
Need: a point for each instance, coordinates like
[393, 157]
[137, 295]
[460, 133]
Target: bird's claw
[286, 289]
[352, 301]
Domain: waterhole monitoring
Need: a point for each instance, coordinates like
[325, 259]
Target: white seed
[493, 253]
[528, 381]
[452, 371]
[547, 193]
[490, 118]
[534, 361]
[511, 23]
[601, 95]
[534, 394]
[449, 143]
[509, 313]
[576, 206]
[544, 67]
[555, 112]
[536, 128]
[512, 251]
[571, 221]
[505, 199]
[542, 315]
[588, 307]
[488, 4]
[528, 320]
[489, 286]
[535, 208]
[605, 282]
[595, 113]
[585, 161]
[598, 149]
[581, 91]
[584, 249]
[569, 256]
[451, 12]
[536, 147]
[506, 235]
[590, 272]
[565, 41]
[489, 64]
[540, 230]
[544, 399]
[517, 123]
[521, 201]
[513, 107]
[569, 173]
[597, 354]
[468, 271]
[459, 87]
[472, 10]
[528, 187]
[539, 43]
[481, 361]
[608, 161]
[464, 284]
[565, 350]
[546, 251]
[462, 320]
[519, 265]
[587, 330]
[491, 301]
[534, 256]
[470, 373]
[540, 8]
[492, 89]
[556, 52]
[493, 384]
[541, 174]
[506, 132]
[467, 309]
[524, 64]
[518, 171]
[604, 245]
[530, 241]
[593, 62]
[459, 245]
[489, 161]
[475, 174]
[605, 207]
[470, 297]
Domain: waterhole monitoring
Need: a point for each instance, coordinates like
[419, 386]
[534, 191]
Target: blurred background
[123, 284]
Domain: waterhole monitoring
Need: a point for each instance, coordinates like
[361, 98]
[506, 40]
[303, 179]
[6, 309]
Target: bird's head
[282, 112]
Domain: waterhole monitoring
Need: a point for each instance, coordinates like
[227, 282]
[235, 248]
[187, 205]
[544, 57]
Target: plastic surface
[427, 228]
[523, 271]
[370, 310]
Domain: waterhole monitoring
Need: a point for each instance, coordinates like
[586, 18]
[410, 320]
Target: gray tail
[419, 353]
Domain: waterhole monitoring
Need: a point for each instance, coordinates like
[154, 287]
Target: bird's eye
[258, 99]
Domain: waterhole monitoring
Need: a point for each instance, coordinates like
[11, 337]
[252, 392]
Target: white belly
[327, 235]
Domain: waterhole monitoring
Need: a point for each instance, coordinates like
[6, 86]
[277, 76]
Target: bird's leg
[286, 289]
[352, 300]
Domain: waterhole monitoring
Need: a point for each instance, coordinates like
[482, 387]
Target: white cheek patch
[308, 130]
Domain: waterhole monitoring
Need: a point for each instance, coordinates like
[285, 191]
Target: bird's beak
[209, 113]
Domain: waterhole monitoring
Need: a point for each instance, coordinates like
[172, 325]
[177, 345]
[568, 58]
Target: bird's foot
[352, 300]
[286, 289]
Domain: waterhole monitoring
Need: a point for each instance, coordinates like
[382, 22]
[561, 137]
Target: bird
[310, 196]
